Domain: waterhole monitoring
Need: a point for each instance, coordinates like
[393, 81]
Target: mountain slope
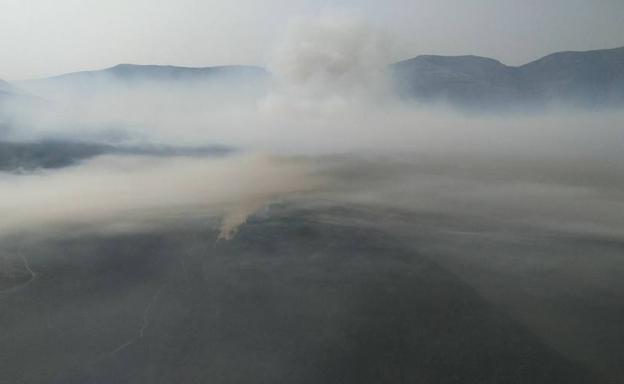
[457, 79]
[5, 87]
[131, 76]
[134, 72]
[9, 91]
[588, 79]
[593, 78]
[11, 96]
[51, 154]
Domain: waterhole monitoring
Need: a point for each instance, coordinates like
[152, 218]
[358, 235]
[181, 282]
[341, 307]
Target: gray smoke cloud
[112, 193]
[328, 63]
[329, 94]
[523, 210]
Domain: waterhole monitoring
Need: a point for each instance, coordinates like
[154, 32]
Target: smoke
[570, 198]
[326, 130]
[327, 64]
[131, 192]
[324, 70]
[329, 94]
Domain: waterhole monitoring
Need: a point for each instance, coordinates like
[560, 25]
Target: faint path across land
[31, 279]
[144, 325]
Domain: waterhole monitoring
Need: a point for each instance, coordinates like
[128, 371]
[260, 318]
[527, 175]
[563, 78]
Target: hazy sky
[46, 37]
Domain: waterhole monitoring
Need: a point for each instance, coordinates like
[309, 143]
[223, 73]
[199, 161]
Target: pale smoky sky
[46, 37]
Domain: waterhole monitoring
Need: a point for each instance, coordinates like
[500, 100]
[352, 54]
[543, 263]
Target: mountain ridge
[127, 69]
[128, 76]
[590, 79]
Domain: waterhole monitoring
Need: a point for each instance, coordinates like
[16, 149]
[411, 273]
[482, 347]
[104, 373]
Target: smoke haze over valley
[335, 214]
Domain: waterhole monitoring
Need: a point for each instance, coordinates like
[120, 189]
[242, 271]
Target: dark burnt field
[297, 296]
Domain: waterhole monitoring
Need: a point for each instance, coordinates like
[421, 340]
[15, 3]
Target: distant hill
[131, 75]
[134, 72]
[9, 95]
[592, 79]
[28, 156]
[7, 90]
[5, 87]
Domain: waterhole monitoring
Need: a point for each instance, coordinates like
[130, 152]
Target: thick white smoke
[329, 94]
[121, 193]
[328, 64]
